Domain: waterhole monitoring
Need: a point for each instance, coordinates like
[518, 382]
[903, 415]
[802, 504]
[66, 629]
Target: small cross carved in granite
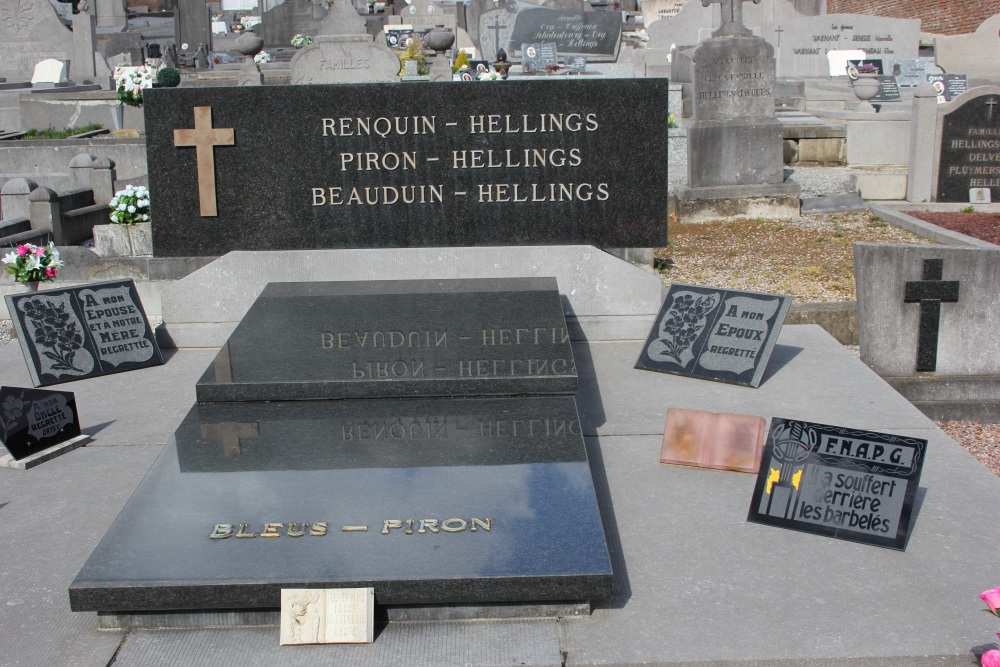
[732, 17]
[930, 293]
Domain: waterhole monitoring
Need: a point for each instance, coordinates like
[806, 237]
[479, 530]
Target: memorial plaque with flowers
[714, 334]
[78, 332]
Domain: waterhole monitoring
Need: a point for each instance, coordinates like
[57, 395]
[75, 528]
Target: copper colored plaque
[723, 441]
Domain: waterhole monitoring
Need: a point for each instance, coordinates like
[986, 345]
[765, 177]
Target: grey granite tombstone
[73, 333]
[804, 42]
[911, 72]
[292, 17]
[192, 26]
[84, 38]
[974, 54]
[928, 317]
[475, 9]
[344, 52]
[844, 483]
[30, 32]
[495, 30]
[735, 141]
[111, 13]
[479, 499]
[714, 334]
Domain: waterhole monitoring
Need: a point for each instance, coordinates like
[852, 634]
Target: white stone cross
[732, 17]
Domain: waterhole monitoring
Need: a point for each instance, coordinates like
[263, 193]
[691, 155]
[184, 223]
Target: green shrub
[168, 77]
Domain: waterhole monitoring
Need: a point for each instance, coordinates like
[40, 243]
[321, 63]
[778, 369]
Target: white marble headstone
[50, 72]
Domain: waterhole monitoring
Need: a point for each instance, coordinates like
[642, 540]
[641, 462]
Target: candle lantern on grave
[501, 65]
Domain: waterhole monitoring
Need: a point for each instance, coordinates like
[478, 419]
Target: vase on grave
[866, 87]
[25, 286]
[249, 43]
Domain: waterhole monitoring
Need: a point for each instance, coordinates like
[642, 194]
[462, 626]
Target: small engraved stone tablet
[330, 616]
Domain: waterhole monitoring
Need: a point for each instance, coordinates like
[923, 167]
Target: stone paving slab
[695, 582]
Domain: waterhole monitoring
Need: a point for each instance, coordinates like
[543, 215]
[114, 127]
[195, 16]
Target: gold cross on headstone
[204, 138]
[732, 17]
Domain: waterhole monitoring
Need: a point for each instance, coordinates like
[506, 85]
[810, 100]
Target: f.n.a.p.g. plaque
[714, 334]
[840, 482]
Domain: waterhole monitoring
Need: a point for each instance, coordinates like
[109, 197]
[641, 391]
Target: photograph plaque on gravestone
[839, 482]
[73, 333]
[714, 334]
[32, 420]
[539, 57]
[888, 89]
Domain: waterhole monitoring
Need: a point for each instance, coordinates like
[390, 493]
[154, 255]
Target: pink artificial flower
[992, 599]
[39, 252]
[991, 658]
[22, 250]
[50, 272]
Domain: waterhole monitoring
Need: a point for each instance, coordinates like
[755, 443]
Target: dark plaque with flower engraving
[714, 334]
[32, 420]
[840, 482]
[79, 332]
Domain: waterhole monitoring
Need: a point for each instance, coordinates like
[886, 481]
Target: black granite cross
[930, 292]
[732, 17]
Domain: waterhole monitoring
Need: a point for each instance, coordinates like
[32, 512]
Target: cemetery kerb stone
[723, 335]
[483, 498]
[30, 31]
[73, 333]
[968, 145]
[365, 165]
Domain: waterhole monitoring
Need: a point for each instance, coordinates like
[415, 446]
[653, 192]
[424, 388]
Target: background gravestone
[290, 18]
[596, 35]
[32, 420]
[712, 334]
[974, 54]
[937, 306]
[80, 332]
[839, 482]
[802, 45]
[969, 129]
[30, 31]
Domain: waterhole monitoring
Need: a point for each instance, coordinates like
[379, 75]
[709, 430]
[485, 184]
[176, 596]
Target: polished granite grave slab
[468, 500]
[370, 339]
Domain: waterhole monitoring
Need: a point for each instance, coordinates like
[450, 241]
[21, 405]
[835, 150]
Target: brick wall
[943, 17]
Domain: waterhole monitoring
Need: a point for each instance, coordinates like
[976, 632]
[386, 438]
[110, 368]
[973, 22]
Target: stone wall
[944, 17]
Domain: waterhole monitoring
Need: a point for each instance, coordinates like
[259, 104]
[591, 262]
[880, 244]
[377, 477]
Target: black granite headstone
[714, 334]
[32, 420]
[73, 333]
[364, 165]
[969, 154]
[593, 34]
[396, 338]
[428, 500]
[839, 482]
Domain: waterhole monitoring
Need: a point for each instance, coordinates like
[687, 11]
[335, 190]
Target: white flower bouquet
[301, 40]
[262, 57]
[130, 206]
[130, 82]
